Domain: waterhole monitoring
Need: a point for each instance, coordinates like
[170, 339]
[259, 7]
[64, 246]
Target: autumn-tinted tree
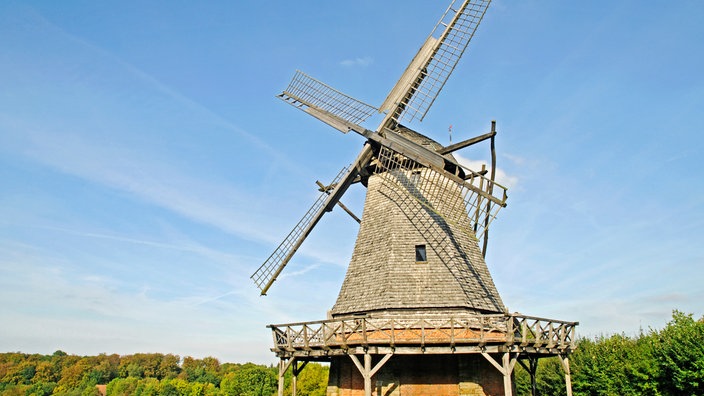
[201, 370]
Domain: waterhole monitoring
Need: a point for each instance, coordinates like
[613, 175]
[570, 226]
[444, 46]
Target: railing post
[509, 329]
[324, 333]
[274, 334]
[393, 332]
[563, 336]
[422, 333]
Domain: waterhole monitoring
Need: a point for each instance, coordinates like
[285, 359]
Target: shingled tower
[418, 312]
[408, 260]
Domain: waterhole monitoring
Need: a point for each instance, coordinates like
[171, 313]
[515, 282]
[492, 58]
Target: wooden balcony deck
[476, 334]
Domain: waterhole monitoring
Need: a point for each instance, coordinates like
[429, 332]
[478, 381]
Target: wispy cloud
[97, 137]
[358, 62]
[127, 322]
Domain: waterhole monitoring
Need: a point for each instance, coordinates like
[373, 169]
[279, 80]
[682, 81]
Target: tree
[168, 367]
[680, 354]
[122, 386]
[312, 380]
[549, 378]
[201, 370]
[249, 380]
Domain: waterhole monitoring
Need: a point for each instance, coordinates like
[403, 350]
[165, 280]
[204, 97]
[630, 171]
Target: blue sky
[147, 168]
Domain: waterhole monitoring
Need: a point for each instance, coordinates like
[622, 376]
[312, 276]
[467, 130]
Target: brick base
[416, 375]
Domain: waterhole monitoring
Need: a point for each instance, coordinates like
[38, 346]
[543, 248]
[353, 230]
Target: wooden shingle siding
[384, 275]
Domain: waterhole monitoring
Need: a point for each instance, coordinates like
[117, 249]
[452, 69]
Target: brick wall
[416, 375]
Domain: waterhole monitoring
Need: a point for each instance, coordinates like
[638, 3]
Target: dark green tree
[679, 352]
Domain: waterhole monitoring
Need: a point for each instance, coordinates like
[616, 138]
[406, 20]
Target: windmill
[394, 148]
[417, 287]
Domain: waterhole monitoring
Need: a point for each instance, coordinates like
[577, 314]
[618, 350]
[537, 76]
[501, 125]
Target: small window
[415, 177]
[420, 253]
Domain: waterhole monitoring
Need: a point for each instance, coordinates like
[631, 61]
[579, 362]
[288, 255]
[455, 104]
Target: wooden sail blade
[306, 92]
[267, 273]
[422, 81]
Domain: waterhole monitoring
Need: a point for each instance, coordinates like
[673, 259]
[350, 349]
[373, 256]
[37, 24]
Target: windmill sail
[422, 81]
[314, 97]
[267, 273]
[411, 98]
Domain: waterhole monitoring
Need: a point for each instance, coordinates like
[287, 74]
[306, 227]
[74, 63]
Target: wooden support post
[568, 377]
[296, 370]
[283, 366]
[368, 375]
[490, 189]
[367, 370]
[505, 368]
[506, 360]
[531, 369]
[294, 379]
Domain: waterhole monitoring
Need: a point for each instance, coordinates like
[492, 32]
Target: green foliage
[550, 378]
[668, 362]
[131, 375]
[249, 380]
[618, 365]
[680, 353]
[122, 386]
[205, 370]
[312, 381]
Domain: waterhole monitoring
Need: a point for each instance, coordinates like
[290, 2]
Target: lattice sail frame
[267, 272]
[305, 91]
[451, 36]
[479, 198]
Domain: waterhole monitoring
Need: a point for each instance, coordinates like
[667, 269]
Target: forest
[669, 361]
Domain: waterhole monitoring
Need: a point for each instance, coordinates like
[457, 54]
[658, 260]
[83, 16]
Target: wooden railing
[510, 329]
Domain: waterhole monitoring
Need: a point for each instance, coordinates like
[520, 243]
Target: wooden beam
[568, 377]
[493, 362]
[505, 368]
[283, 366]
[367, 370]
[381, 363]
[491, 188]
[466, 143]
[339, 203]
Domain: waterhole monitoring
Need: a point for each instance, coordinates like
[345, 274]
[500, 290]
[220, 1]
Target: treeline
[665, 362]
[146, 374]
[658, 362]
